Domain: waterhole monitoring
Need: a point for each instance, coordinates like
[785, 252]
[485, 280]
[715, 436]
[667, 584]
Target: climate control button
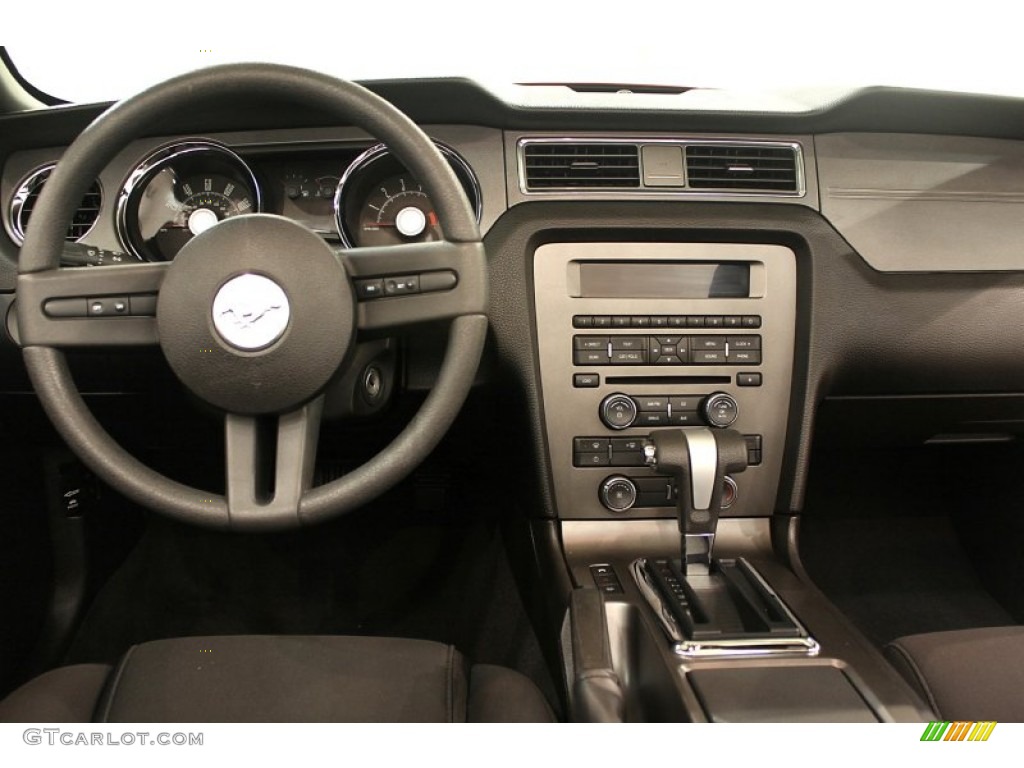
[618, 493]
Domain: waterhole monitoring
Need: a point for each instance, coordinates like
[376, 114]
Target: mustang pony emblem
[247, 317]
[250, 312]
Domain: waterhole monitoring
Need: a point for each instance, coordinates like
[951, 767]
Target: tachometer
[179, 192]
[380, 203]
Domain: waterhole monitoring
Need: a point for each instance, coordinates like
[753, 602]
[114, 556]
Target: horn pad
[256, 314]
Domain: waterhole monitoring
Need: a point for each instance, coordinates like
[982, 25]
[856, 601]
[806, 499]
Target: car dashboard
[841, 271]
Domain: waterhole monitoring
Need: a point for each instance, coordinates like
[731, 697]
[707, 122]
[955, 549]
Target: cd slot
[680, 380]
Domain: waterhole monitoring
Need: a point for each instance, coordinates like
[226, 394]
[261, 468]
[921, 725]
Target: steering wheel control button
[143, 306]
[618, 411]
[401, 286]
[107, 306]
[66, 307]
[251, 312]
[369, 289]
[442, 280]
[720, 409]
[618, 493]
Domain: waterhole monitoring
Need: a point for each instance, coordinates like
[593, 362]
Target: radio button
[748, 379]
[586, 380]
[732, 321]
[745, 357]
[620, 321]
[684, 403]
[652, 419]
[698, 343]
[695, 321]
[713, 321]
[751, 321]
[590, 342]
[685, 419]
[652, 402]
[677, 321]
[590, 357]
[628, 342]
[582, 321]
[640, 322]
[618, 411]
[744, 342]
[720, 409]
[602, 321]
[708, 357]
[627, 357]
[659, 322]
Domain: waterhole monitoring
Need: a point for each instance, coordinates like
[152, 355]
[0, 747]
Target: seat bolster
[64, 695]
[969, 675]
[499, 695]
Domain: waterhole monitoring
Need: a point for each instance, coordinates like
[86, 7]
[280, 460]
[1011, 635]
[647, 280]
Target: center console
[638, 336]
[666, 371]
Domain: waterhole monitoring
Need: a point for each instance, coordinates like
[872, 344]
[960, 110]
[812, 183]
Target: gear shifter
[699, 459]
[721, 606]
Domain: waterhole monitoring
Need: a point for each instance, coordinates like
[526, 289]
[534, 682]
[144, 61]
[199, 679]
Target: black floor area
[909, 541]
[383, 571]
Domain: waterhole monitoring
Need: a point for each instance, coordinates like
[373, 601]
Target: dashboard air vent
[563, 165]
[742, 167]
[27, 195]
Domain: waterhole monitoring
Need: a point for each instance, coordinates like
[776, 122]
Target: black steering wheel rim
[347, 103]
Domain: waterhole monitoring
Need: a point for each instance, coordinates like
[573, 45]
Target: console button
[745, 357]
[685, 403]
[732, 321]
[677, 321]
[602, 321]
[586, 380]
[708, 357]
[590, 357]
[698, 343]
[685, 419]
[695, 321]
[628, 459]
[590, 445]
[748, 379]
[627, 357]
[640, 321]
[590, 460]
[622, 444]
[582, 321]
[590, 342]
[618, 411]
[652, 419]
[628, 342]
[659, 322]
[744, 342]
[751, 321]
[713, 321]
[652, 402]
[620, 321]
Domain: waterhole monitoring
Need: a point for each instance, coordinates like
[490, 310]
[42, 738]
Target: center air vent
[27, 195]
[741, 167]
[564, 165]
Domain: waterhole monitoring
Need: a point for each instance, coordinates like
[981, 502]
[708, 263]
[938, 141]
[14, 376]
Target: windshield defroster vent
[563, 165]
[741, 167]
[27, 195]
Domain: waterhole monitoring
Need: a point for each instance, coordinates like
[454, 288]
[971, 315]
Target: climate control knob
[618, 411]
[720, 409]
[618, 493]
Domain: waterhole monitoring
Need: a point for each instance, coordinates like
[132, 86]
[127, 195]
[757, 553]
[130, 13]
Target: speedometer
[379, 202]
[179, 192]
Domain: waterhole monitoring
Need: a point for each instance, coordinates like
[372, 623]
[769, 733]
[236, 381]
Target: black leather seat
[975, 674]
[281, 679]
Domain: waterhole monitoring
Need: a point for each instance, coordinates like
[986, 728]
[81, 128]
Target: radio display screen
[664, 280]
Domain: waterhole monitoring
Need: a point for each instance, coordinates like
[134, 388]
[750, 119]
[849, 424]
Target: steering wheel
[255, 316]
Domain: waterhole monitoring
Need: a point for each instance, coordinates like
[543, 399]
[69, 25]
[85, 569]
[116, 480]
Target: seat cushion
[288, 679]
[65, 695]
[975, 674]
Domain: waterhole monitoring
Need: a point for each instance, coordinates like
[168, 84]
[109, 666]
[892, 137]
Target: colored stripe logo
[958, 731]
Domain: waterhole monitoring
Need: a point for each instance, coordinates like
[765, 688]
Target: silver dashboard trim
[28, 184]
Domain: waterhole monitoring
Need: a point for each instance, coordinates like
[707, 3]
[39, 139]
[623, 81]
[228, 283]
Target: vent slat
[741, 167]
[574, 166]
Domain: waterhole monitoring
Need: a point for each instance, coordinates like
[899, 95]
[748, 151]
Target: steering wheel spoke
[270, 463]
[90, 306]
[419, 282]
